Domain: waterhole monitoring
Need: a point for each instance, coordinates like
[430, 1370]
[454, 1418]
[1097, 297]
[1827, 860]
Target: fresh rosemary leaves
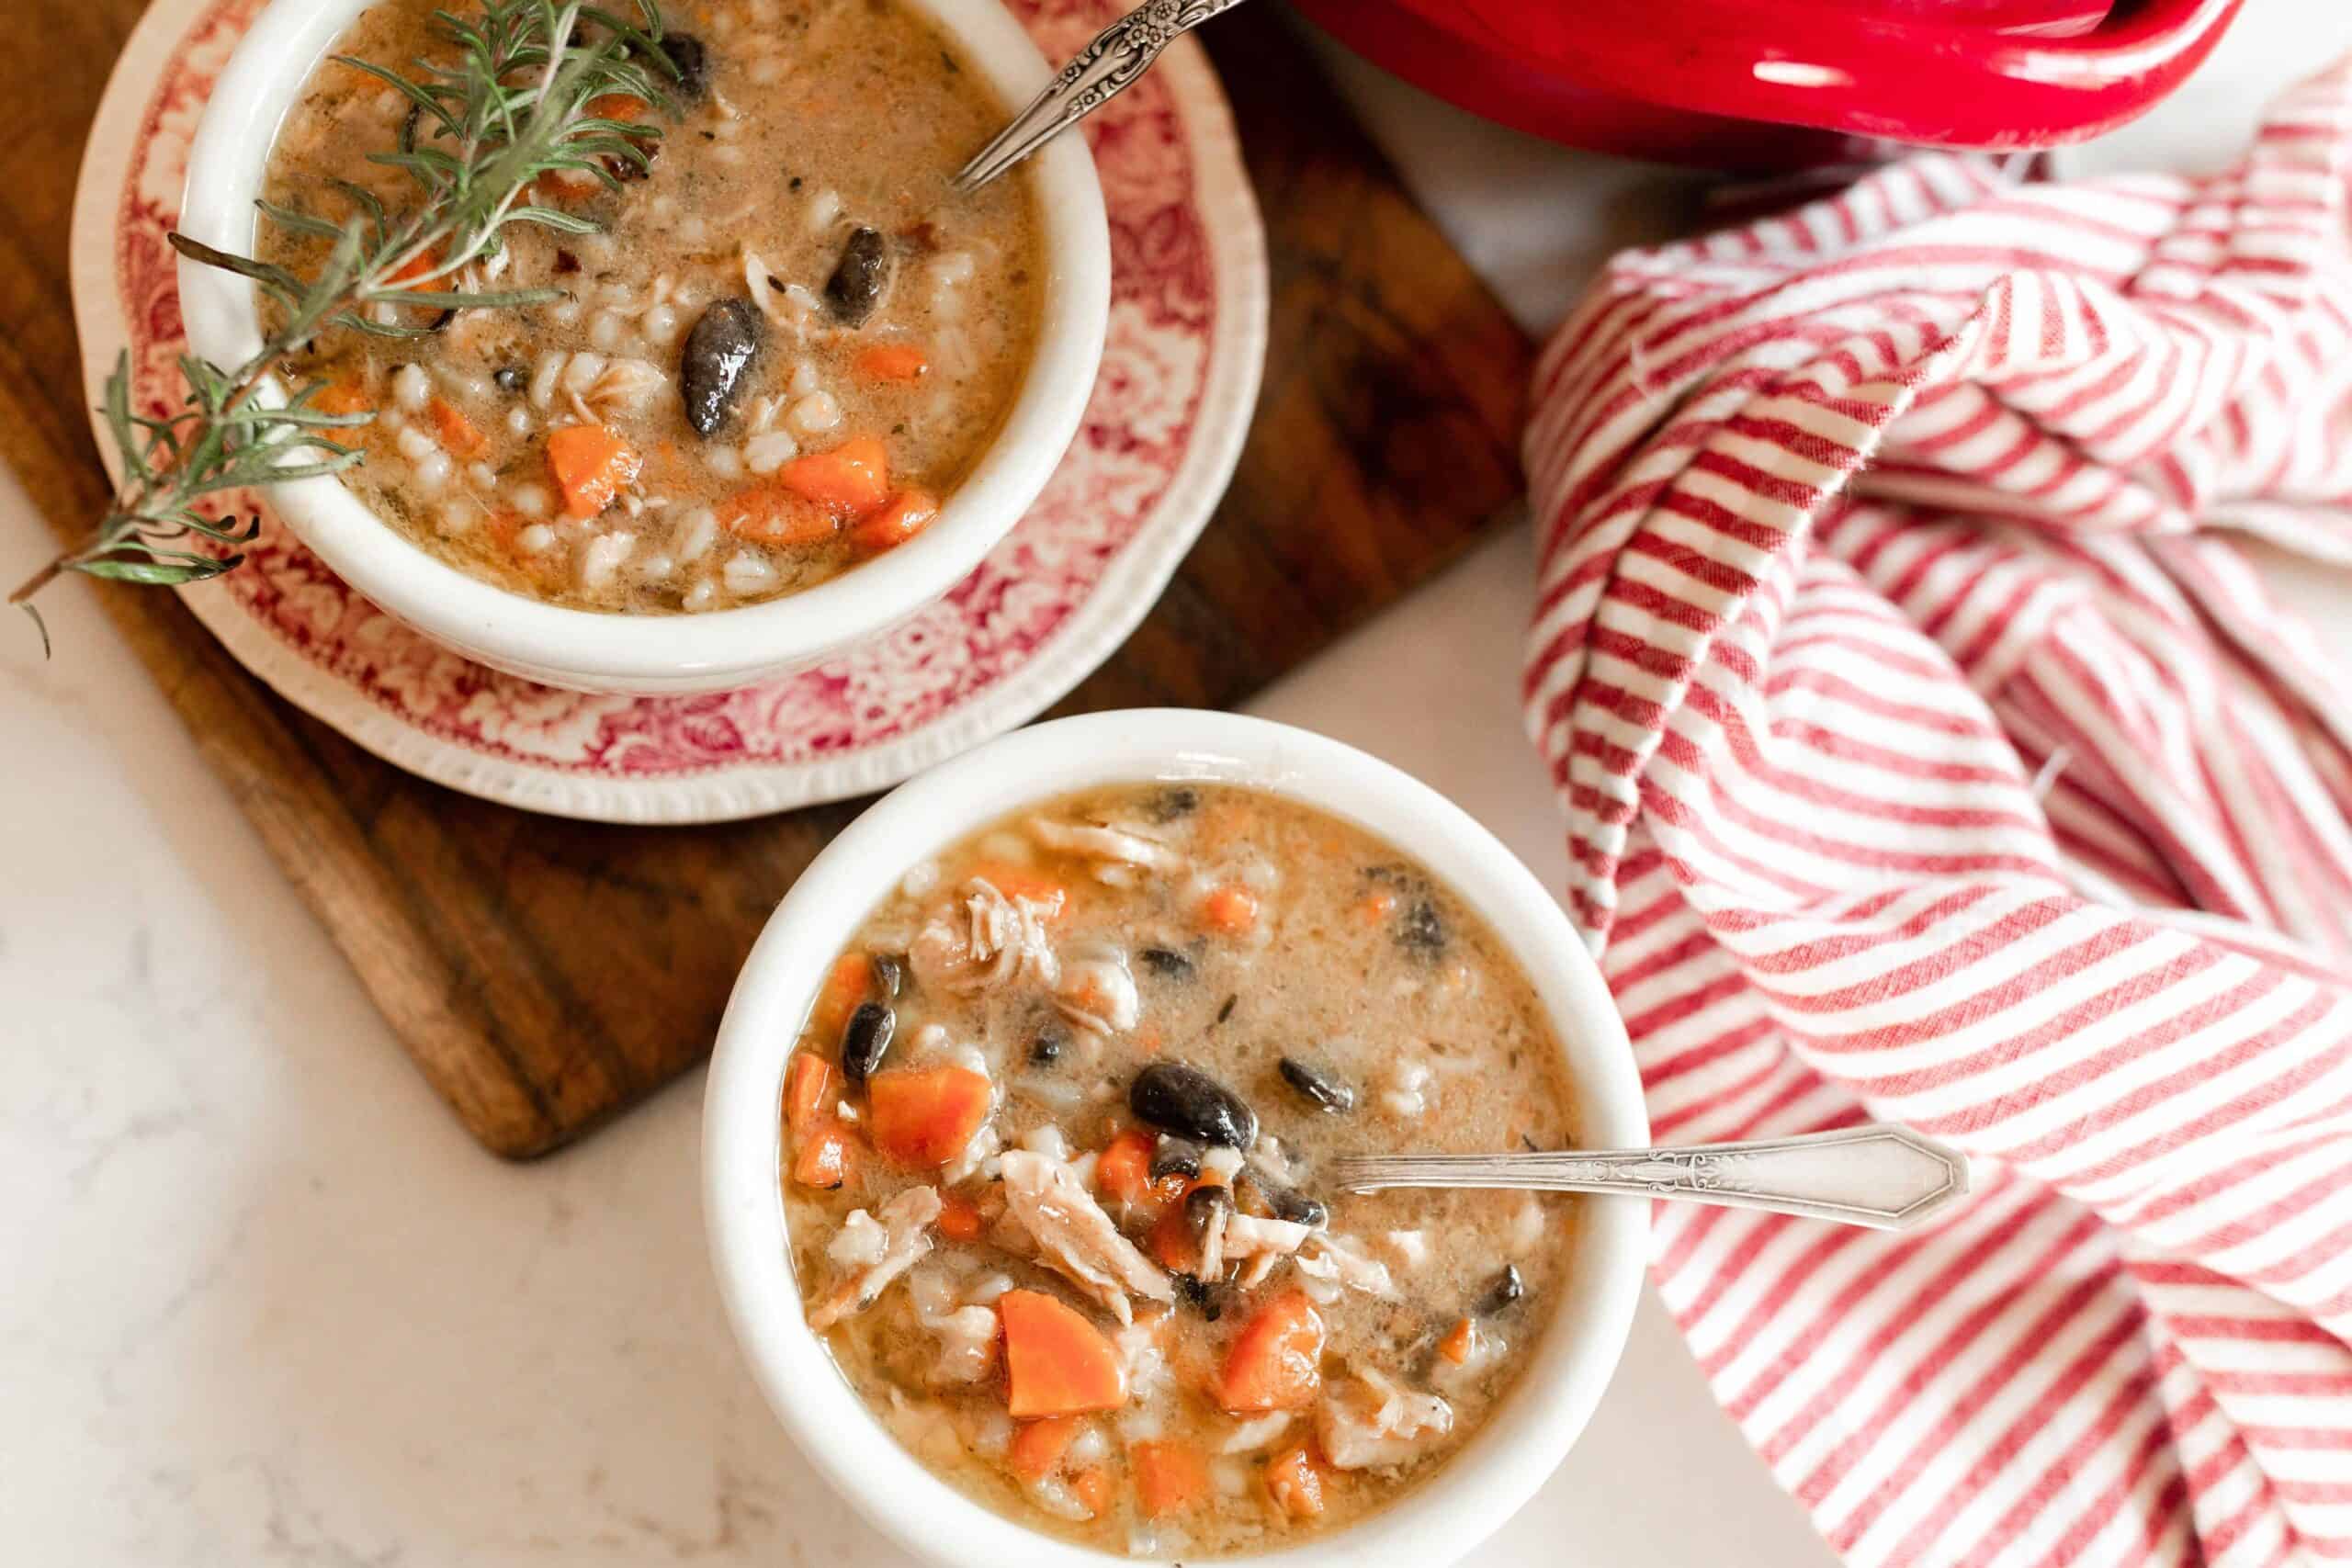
[507, 105]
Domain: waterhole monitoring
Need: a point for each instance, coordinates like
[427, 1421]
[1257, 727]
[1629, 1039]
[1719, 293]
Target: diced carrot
[1169, 1476]
[769, 514]
[1056, 1362]
[1170, 1241]
[1455, 1346]
[1276, 1361]
[807, 1091]
[1230, 910]
[893, 362]
[1093, 1486]
[348, 394]
[1038, 1446]
[626, 107]
[904, 517]
[1296, 1482]
[850, 481]
[1123, 1169]
[925, 1115]
[845, 986]
[1374, 908]
[590, 465]
[824, 1155]
[416, 266]
[458, 433]
[959, 1217]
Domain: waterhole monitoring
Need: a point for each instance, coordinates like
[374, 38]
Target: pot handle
[1880, 68]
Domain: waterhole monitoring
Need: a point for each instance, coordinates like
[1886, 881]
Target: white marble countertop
[265, 1304]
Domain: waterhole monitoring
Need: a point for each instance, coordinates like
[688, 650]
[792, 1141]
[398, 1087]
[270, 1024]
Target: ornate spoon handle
[1886, 1178]
[1120, 54]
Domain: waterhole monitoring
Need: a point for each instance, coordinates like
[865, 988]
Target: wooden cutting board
[545, 973]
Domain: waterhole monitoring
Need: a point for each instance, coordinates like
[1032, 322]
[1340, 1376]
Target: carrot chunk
[627, 108]
[1123, 1169]
[1038, 1446]
[1374, 908]
[849, 481]
[845, 987]
[1170, 1241]
[1169, 1476]
[1296, 1482]
[1230, 910]
[590, 465]
[1056, 1362]
[416, 266]
[348, 394]
[904, 517]
[893, 362]
[959, 1217]
[808, 1089]
[1455, 1346]
[771, 514]
[1093, 1486]
[925, 1115]
[1276, 1361]
[825, 1156]
[458, 433]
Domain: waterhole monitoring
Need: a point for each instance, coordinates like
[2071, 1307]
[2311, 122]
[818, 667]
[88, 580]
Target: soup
[1056, 1136]
[788, 344]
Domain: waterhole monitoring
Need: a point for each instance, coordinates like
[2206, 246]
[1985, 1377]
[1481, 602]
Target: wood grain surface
[546, 974]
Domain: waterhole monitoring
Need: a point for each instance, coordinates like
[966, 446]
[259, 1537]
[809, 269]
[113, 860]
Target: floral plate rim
[1130, 585]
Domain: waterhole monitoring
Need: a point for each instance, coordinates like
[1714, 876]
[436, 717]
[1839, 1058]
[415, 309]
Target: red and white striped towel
[1928, 756]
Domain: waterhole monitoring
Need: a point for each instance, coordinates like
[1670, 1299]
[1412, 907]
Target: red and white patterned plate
[1178, 384]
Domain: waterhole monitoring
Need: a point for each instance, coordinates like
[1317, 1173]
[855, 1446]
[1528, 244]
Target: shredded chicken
[1110, 848]
[1146, 1362]
[859, 1244]
[1251, 1436]
[1097, 992]
[1377, 1421]
[986, 940]
[905, 1223]
[1074, 1235]
[1246, 1235]
[1335, 1264]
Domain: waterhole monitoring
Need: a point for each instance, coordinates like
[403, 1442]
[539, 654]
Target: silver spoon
[1885, 1178]
[1099, 73]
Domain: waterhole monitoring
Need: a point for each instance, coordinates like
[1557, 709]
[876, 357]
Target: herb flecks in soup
[787, 344]
[1056, 1136]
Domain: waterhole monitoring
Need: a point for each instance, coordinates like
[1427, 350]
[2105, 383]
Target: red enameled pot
[1779, 84]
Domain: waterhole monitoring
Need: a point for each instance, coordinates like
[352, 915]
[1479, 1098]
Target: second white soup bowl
[1501, 1465]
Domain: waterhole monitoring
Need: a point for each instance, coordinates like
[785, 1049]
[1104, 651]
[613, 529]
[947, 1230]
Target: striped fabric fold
[1930, 752]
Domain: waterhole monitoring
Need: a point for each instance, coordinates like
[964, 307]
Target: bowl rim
[616, 651]
[1518, 1446]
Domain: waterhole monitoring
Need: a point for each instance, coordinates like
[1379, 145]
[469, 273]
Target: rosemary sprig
[508, 107]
